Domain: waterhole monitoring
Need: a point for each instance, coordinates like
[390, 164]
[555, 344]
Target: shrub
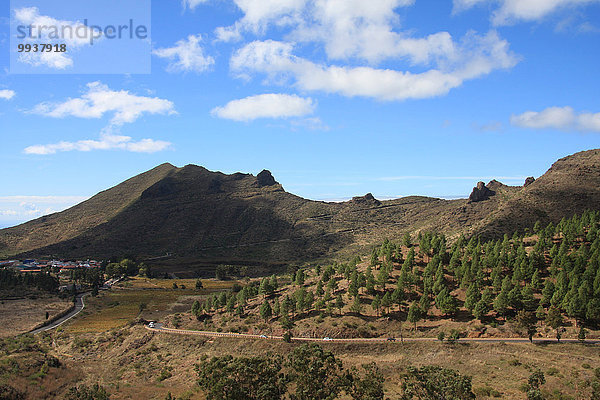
[433, 382]
[287, 337]
[95, 392]
[164, 374]
[486, 391]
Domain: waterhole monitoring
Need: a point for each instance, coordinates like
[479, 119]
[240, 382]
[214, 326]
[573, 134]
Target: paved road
[79, 305]
[160, 328]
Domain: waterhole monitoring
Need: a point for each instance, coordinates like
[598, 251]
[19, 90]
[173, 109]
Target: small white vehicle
[326, 338]
[263, 336]
[151, 325]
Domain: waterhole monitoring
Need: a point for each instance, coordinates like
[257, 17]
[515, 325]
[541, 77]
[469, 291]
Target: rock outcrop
[265, 178]
[367, 199]
[480, 193]
[529, 181]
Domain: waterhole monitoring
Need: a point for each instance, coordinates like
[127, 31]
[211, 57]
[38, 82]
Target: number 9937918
[41, 48]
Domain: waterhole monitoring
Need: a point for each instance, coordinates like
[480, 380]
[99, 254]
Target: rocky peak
[265, 178]
[480, 193]
[367, 199]
[529, 181]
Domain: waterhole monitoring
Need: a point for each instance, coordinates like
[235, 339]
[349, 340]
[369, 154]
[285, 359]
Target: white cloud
[17, 209]
[479, 55]
[259, 14]
[191, 4]
[265, 106]
[22, 199]
[7, 94]
[99, 100]
[462, 5]
[50, 30]
[365, 30]
[346, 28]
[531, 10]
[560, 118]
[312, 124]
[106, 142]
[511, 11]
[228, 34]
[451, 178]
[186, 55]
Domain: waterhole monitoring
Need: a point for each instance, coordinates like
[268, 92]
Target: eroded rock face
[264, 178]
[529, 181]
[480, 193]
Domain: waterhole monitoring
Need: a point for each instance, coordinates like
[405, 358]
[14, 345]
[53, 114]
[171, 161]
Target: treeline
[311, 373]
[14, 280]
[127, 267]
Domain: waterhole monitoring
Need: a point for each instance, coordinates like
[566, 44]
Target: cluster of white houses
[57, 265]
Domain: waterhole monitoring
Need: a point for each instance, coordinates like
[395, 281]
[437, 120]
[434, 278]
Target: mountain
[76, 220]
[193, 217]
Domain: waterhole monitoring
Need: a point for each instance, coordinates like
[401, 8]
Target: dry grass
[133, 365]
[120, 306]
[145, 283]
[22, 315]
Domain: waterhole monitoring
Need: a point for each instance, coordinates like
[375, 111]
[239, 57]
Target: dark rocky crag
[481, 193]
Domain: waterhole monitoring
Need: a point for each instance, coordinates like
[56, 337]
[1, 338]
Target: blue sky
[336, 97]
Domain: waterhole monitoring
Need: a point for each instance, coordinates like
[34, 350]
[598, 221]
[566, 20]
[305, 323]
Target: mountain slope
[569, 187]
[68, 224]
[203, 218]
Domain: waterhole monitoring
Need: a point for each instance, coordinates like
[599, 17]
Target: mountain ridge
[203, 217]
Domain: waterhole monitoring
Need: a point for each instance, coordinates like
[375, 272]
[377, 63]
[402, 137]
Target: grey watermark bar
[80, 37]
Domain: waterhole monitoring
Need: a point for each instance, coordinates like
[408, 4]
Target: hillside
[68, 224]
[570, 186]
[201, 218]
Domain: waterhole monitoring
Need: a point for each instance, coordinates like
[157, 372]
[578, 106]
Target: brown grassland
[150, 298]
[22, 315]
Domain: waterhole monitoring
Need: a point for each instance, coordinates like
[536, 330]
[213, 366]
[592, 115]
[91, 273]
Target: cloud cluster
[356, 36]
[559, 118]
[106, 142]
[479, 57]
[187, 55]
[345, 28]
[511, 11]
[95, 103]
[100, 99]
[7, 94]
[270, 105]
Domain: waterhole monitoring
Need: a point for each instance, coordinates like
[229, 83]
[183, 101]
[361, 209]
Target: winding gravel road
[158, 327]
